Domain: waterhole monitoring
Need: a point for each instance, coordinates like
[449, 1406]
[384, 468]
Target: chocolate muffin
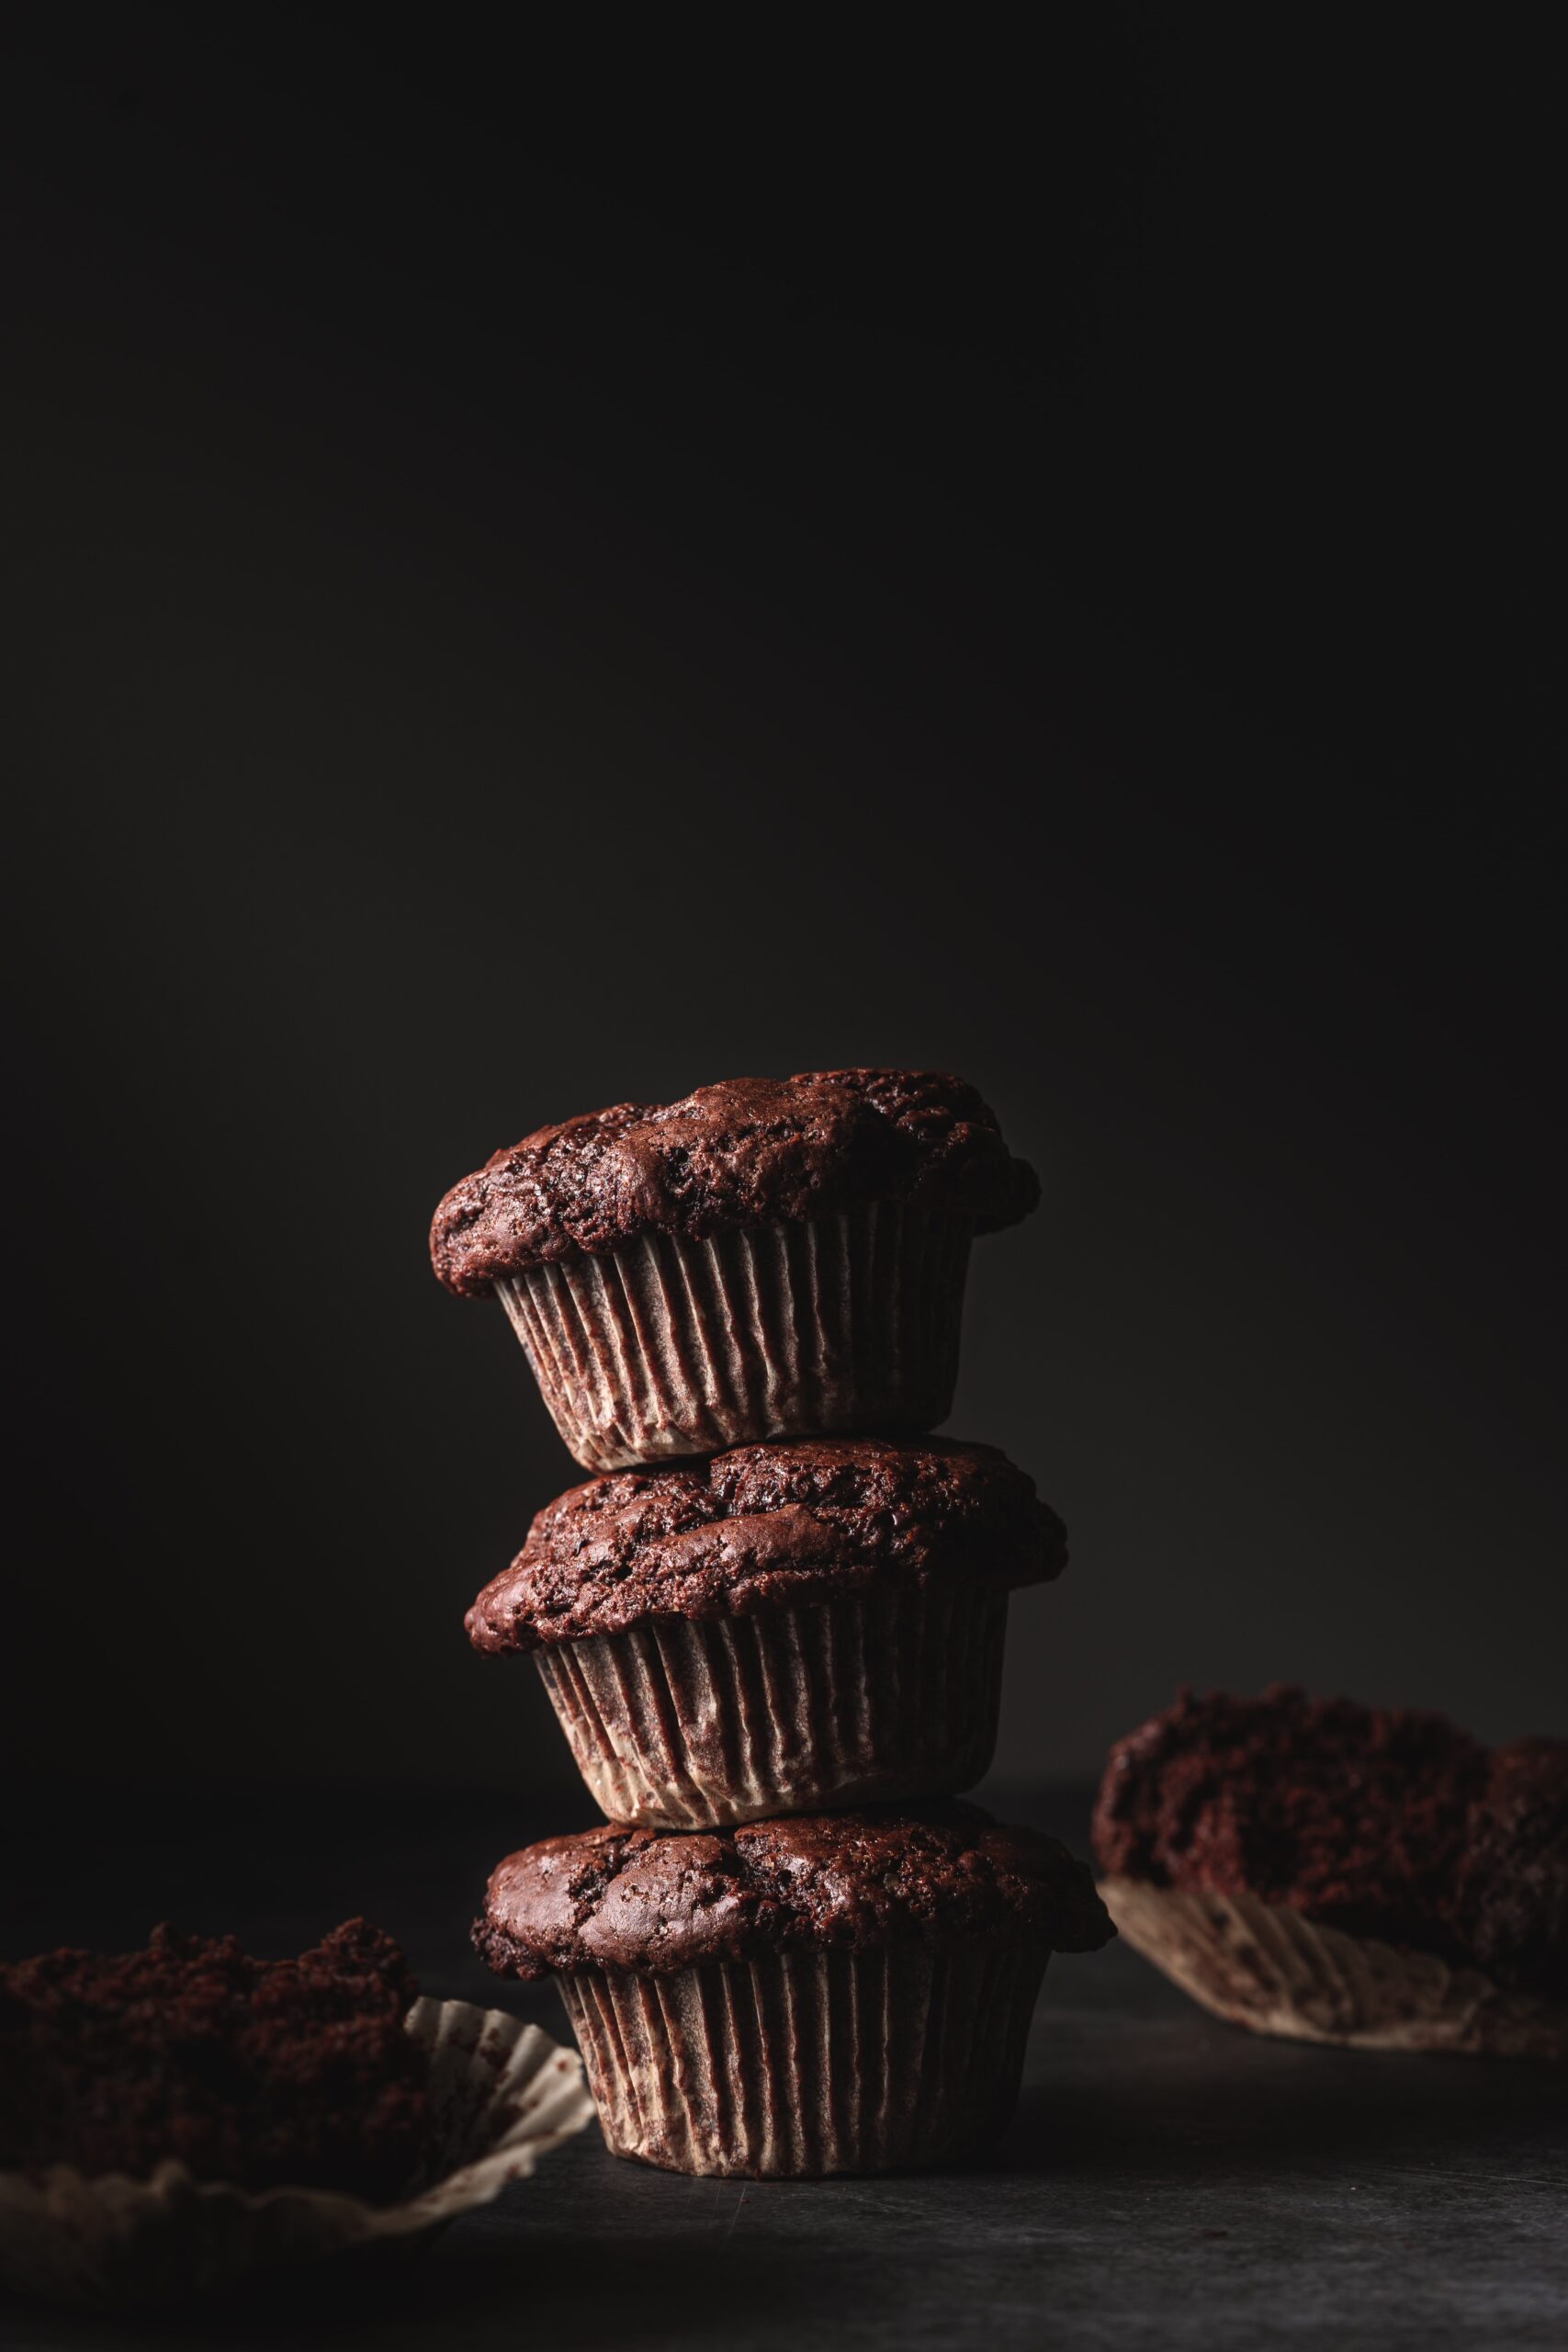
[785, 1628]
[181, 2121]
[1345, 1874]
[849, 1992]
[766, 1257]
[248, 2071]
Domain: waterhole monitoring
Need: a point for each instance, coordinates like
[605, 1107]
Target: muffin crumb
[1384, 1822]
[249, 2071]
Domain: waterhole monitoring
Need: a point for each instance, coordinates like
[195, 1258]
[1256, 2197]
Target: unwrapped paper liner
[503, 2094]
[1263, 1966]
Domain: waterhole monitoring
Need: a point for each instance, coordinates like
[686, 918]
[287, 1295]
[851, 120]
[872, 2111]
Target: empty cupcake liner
[672, 1347]
[803, 2062]
[687, 1724]
[1263, 1966]
[502, 2095]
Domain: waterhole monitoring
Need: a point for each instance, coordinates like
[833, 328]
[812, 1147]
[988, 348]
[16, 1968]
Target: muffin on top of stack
[772, 1627]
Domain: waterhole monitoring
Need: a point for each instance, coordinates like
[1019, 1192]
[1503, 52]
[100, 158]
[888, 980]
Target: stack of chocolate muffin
[771, 1625]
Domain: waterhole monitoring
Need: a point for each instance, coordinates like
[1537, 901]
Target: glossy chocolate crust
[249, 2071]
[767, 1526]
[748, 1151]
[639, 1899]
[1379, 1821]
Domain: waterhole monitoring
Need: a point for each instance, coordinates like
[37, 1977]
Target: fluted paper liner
[689, 1725]
[671, 1347]
[1263, 1966]
[808, 2062]
[502, 2095]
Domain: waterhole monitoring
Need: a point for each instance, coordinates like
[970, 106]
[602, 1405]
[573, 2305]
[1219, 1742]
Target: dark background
[542, 578]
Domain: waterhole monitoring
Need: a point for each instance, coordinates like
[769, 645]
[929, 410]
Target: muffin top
[643, 1900]
[250, 2071]
[748, 1151]
[1380, 1820]
[782, 1525]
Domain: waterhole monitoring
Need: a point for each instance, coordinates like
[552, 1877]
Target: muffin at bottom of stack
[845, 1993]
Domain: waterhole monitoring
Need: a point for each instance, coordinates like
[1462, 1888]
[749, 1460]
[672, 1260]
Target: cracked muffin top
[783, 1525]
[652, 1902]
[748, 1151]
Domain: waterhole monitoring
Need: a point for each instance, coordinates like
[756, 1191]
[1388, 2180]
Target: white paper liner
[502, 2095]
[1263, 1966]
[690, 1724]
[674, 1347]
[810, 2061]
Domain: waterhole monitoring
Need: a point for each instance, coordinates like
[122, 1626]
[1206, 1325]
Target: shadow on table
[1281, 2106]
[478, 2289]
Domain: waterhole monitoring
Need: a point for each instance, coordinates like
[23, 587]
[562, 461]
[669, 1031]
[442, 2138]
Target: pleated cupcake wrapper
[1262, 1964]
[685, 1724]
[502, 2095]
[808, 2062]
[672, 1347]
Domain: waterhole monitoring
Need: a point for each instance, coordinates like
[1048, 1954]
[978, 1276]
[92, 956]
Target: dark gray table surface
[1169, 2180]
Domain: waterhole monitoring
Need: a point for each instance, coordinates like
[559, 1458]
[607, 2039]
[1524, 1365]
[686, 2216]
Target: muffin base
[672, 1347]
[1263, 1966]
[805, 2062]
[678, 1724]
